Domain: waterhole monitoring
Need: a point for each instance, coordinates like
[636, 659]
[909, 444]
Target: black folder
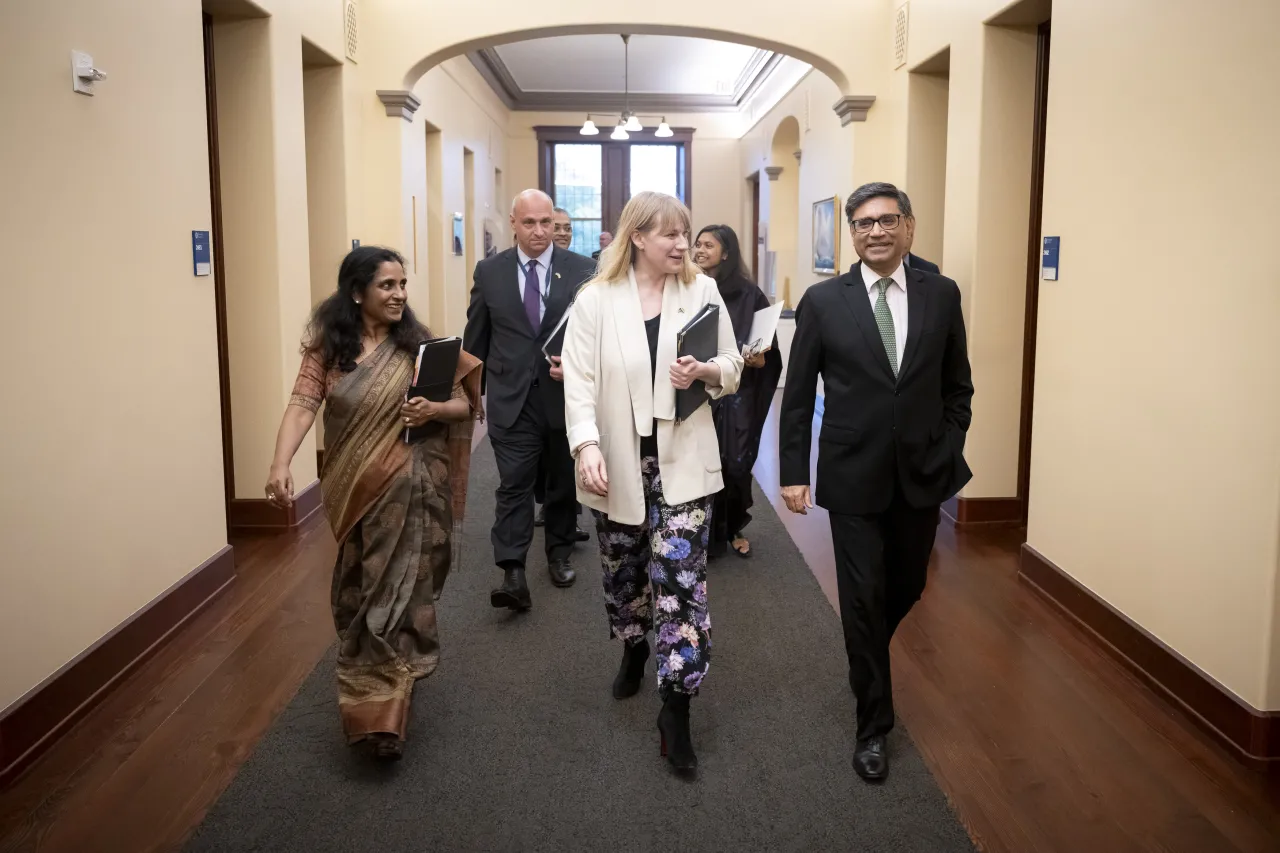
[699, 338]
[433, 376]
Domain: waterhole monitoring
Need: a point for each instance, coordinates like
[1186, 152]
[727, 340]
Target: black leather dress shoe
[871, 759]
[580, 535]
[514, 592]
[562, 574]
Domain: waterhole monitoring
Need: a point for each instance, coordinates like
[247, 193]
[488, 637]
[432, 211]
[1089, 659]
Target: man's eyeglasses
[888, 222]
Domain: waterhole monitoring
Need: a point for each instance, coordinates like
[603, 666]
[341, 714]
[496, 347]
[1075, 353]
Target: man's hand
[797, 499]
[557, 371]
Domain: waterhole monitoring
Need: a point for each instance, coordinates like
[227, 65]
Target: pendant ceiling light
[629, 122]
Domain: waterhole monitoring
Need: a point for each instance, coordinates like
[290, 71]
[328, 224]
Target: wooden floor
[1041, 742]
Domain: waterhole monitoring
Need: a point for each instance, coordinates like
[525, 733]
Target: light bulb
[664, 130]
[620, 132]
[589, 128]
[633, 124]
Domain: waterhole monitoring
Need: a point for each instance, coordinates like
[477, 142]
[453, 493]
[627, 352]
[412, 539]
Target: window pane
[578, 180]
[586, 236]
[653, 167]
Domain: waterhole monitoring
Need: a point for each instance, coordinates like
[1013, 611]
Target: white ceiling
[659, 64]
[586, 71]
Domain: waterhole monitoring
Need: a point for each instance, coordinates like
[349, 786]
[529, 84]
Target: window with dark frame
[593, 179]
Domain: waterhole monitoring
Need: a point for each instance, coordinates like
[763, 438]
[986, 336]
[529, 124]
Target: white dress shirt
[896, 296]
[544, 267]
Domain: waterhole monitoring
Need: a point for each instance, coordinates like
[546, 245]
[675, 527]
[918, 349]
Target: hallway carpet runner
[517, 745]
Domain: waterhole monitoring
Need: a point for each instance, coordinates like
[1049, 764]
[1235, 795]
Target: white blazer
[611, 396]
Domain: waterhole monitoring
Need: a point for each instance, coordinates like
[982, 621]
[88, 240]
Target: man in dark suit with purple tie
[517, 299]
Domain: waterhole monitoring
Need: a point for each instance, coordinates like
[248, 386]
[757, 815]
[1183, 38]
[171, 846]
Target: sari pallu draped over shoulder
[364, 437]
[396, 510]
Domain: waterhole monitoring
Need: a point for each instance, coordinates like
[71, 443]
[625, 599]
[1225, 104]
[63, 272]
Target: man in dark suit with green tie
[889, 342]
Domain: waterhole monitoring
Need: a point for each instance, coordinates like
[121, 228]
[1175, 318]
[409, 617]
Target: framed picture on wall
[457, 234]
[826, 235]
[489, 247]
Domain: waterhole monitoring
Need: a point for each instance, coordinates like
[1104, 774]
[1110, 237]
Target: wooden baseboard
[256, 514]
[33, 723]
[1252, 735]
[984, 513]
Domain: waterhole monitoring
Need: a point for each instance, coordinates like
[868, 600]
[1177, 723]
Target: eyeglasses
[888, 222]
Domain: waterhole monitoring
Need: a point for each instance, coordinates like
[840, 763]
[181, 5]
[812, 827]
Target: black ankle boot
[631, 670]
[673, 727]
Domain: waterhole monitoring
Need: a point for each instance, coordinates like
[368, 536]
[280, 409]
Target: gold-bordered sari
[396, 510]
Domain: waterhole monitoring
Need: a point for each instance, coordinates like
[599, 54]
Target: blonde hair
[645, 212]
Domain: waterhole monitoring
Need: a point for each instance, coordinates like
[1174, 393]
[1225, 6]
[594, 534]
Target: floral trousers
[655, 575]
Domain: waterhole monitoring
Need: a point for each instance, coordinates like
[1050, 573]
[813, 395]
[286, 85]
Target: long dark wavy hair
[732, 264]
[337, 324]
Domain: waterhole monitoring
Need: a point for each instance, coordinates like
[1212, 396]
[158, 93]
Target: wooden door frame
[1039, 134]
[613, 199]
[219, 268]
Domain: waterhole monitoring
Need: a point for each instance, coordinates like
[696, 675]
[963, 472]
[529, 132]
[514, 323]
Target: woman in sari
[739, 417]
[395, 508]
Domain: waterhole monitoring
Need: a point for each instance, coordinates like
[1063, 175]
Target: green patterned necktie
[884, 321]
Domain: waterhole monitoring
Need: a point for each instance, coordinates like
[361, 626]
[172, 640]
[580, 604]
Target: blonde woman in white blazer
[649, 479]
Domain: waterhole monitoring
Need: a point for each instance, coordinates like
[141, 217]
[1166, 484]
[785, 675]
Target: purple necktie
[532, 297]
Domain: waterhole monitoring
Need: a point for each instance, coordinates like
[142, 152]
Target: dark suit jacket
[877, 430]
[917, 263]
[498, 332]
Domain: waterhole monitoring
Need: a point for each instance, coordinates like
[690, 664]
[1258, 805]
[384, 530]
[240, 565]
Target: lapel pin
[557, 275]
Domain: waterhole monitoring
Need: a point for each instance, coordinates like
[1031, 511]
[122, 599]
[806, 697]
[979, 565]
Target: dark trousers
[729, 511]
[881, 564]
[517, 450]
[540, 486]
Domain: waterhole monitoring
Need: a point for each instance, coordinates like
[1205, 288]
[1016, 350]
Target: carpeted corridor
[517, 745]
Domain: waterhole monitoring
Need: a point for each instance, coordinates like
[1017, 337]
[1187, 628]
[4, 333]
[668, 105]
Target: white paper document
[763, 328]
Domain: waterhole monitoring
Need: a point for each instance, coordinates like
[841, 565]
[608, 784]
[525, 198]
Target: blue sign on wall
[1049, 259]
[200, 252]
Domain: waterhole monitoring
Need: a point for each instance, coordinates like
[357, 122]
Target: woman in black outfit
[739, 417]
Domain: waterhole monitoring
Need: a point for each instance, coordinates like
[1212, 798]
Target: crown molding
[488, 62]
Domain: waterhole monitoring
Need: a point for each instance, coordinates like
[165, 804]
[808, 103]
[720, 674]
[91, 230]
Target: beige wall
[112, 487]
[126, 173]
[824, 171]
[326, 177]
[926, 180]
[1156, 449]
[469, 116]
[1156, 463]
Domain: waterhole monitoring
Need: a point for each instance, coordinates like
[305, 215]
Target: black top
[649, 443]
